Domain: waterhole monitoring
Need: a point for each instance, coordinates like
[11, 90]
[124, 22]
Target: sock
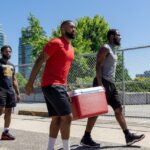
[51, 143]
[6, 129]
[126, 131]
[87, 134]
[66, 144]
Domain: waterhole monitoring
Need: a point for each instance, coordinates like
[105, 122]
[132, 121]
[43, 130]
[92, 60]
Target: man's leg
[65, 130]
[2, 109]
[120, 118]
[86, 139]
[53, 132]
[7, 117]
[130, 137]
[90, 124]
[58, 104]
[54, 127]
[7, 120]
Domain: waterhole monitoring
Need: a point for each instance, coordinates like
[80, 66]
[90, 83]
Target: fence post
[123, 83]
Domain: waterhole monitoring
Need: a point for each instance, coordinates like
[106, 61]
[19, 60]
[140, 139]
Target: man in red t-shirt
[58, 55]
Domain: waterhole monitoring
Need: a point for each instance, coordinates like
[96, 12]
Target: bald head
[64, 23]
[68, 29]
[113, 36]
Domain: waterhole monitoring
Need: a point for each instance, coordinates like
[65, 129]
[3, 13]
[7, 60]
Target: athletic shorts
[7, 98]
[57, 100]
[111, 93]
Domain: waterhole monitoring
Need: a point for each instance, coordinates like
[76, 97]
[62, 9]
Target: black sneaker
[87, 141]
[7, 136]
[132, 138]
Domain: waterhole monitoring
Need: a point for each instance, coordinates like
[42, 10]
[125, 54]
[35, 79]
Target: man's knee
[118, 111]
[55, 120]
[8, 111]
[92, 119]
[67, 118]
[1, 111]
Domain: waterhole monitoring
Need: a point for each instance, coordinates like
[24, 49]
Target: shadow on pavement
[77, 147]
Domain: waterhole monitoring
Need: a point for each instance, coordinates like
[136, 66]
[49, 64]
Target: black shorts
[7, 98]
[111, 93]
[57, 100]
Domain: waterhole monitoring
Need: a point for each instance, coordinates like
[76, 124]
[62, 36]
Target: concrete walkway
[32, 131]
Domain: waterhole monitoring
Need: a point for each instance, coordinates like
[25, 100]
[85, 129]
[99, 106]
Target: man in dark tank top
[105, 76]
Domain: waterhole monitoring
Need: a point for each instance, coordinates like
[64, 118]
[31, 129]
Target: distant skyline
[130, 17]
[2, 36]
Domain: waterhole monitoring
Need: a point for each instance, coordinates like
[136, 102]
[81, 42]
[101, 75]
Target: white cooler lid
[87, 90]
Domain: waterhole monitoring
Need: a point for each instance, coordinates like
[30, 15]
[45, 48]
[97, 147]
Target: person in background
[8, 83]
[105, 76]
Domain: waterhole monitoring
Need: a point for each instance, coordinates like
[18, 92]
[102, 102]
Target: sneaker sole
[137, 140]
[82, 144]
[8, 139]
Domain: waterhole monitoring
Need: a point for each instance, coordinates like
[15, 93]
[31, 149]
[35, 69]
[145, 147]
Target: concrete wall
[38, 97]
[130, 98]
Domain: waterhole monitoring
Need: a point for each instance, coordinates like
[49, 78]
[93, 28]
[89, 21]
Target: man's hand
[28, 88]
[69, 98]
[18, 98]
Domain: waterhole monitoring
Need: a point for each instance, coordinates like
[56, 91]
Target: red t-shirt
[57, 66]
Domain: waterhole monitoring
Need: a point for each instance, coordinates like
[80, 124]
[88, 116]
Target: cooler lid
[87, 90]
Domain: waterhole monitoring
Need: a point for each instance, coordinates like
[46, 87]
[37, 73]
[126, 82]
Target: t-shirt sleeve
[51, 47]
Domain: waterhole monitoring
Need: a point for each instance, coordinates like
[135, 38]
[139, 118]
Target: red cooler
[88, 102]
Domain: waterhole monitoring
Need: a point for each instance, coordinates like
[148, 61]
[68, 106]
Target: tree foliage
[119, 70]
[90, 34]
[34, 35]
[21, 80]
[140, 84]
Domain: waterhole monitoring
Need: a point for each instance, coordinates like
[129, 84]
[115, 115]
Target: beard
[6, 57]
[117, 42]
[70, 35]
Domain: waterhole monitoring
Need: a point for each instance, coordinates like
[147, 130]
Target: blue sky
[131, 17]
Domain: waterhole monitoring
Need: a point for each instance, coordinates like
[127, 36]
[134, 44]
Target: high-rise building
[24, 56]
[2, 37]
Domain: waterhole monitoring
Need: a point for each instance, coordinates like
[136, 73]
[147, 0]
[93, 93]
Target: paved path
[38, 141]
[32, 134]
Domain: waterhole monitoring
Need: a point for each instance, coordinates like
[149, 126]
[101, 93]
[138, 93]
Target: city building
[25, 56]
[2, 37]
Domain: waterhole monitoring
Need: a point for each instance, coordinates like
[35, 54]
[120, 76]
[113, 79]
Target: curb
[32, 113]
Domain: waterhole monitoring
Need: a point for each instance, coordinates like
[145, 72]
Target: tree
[90, 35]
[119, 69]
[85, 41]
[34, 35]
[140, 84]
[21, 80]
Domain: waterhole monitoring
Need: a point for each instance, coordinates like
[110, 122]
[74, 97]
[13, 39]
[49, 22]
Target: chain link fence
[132, 79]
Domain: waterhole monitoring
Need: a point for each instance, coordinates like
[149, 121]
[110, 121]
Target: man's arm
[36, 68]
[16, 87]
[101, 56]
